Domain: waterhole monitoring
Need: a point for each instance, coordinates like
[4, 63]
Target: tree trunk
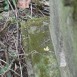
[63, 31]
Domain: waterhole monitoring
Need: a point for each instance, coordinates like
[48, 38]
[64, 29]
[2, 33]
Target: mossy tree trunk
[63, 31]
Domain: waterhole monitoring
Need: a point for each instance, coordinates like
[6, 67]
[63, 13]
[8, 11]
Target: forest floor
[26, 44]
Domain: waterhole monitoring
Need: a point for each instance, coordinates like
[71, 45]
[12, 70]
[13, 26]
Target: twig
[3, 61]
[5, 25]
[17, 42]
[11, 6]
[15, 72]
[8, 66]
[2, 44]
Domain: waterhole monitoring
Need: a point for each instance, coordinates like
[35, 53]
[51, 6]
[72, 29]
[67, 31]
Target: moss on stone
[42, 60]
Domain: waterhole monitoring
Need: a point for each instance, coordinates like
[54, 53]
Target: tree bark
[63, 34]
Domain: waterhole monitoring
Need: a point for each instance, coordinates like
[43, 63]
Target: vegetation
[44, 62]
[34, 44]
